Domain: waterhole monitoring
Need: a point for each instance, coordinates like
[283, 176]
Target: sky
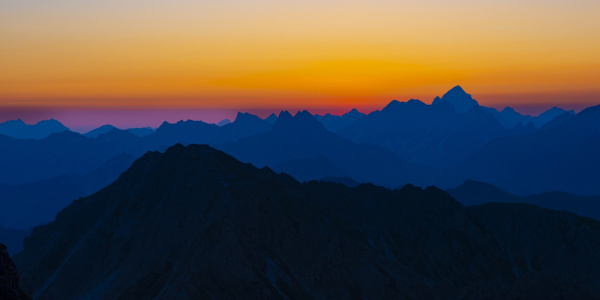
[328, 55]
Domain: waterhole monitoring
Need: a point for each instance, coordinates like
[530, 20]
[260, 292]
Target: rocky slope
[195, 223]
[9, 278]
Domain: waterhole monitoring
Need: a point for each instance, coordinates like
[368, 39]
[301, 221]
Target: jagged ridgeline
[195, 223]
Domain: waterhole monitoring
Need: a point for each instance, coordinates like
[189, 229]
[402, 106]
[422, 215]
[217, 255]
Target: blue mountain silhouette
[271, 118]
[306, 169]
[460, 100]
[66, 153]
[19, 130]
[100, 130]
[198, 132]
[30, 204]
[13, 239]
[558, 157]
[223, 122]
[335, 123]
[475, 193]
[303, 137]
[433, 135]
[444, 133]
[141, 132]
[508, 117]
[195, 223]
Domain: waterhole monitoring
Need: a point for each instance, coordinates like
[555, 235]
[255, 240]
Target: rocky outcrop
[9, 278]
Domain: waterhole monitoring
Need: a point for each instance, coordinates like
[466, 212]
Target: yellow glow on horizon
[260, 53]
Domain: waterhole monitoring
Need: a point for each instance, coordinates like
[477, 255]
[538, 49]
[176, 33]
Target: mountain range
[475, 193]
[29, 204]
[194, 222]
[20, 130]
[140, 132]
[300, 139]
[557, 157]
[508, 117]
[405, 142]
[442, 134]
[334, 123]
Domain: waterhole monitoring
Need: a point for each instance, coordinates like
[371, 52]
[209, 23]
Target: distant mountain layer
[475, 193]
[100, 130]
[69, 153]
[335, 123]
[19, 130]
[195, 223]
[406, 142]
[66, 153]
[30, 204]
[558, 157]
[433, 135]
[444, 133]
[224, 122]
[508, 117]
[140, 132]
[302, 146]
[13, 239]
[190, 132]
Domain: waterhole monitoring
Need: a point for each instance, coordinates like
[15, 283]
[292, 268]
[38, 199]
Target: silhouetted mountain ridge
[433, 135]
[460, 100]
[560, 157]
[475, 193]
[191, 132]
[301, 123]
[100, 130]
[195, 223]
[334, 123]
[67, 153]
[30, 204]
[302, 137]
[20, 130]
[9, 278]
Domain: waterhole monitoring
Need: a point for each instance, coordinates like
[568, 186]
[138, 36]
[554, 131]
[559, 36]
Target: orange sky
[230, 54]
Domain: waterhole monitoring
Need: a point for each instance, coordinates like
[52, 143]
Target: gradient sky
[231, 54]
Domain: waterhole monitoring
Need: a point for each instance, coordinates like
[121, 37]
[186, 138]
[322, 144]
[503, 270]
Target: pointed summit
[353, 114]
[302, 122]
[283, 118]
[462, 101]
[508, 109]
[223, 122]
[242, 118]
[99, 131]
[457, 89]
[304, 115]
[271, 118]
[391, 105]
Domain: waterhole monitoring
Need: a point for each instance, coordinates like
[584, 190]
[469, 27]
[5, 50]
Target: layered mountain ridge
[20, 130]
[194, 222]
[405, 142]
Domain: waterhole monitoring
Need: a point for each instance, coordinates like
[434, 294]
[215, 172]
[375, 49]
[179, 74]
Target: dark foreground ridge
[9, 278]
[195, 223]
